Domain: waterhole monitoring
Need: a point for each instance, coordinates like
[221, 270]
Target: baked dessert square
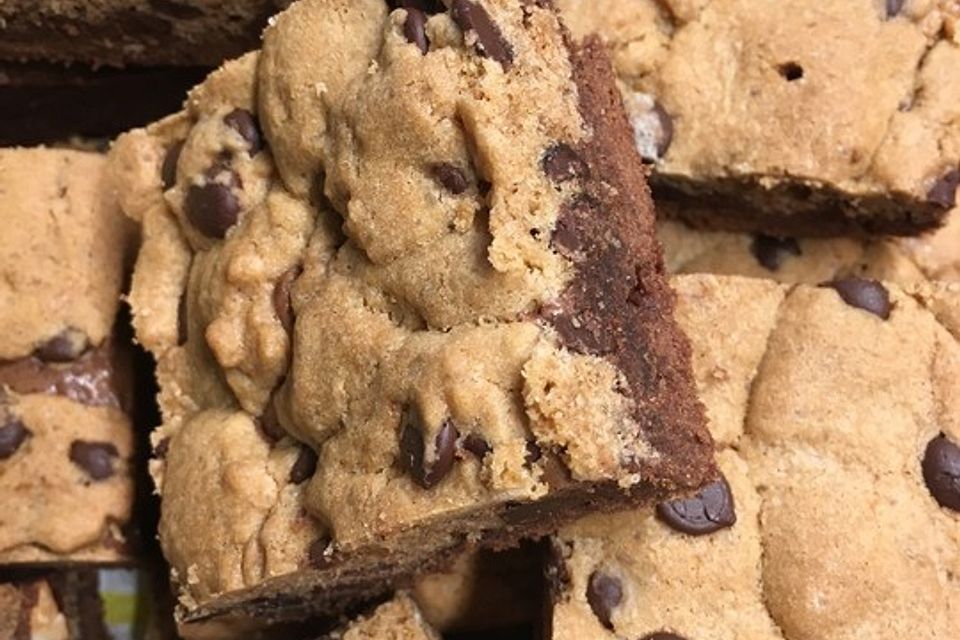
[66, 436]
[835, 416]
[795, 117]
[402, 304]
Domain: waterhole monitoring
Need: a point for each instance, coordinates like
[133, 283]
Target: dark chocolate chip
[269, 422]
[476, 445]
[413, 456]
[470, 16]
[561, 163]
[244, 123]
[317, 553]
[160, 451]
[305, 466]
[66, 346]
[709, 511]
[604, 594]
[182, 321]
[894, 7]
[865, 294]
[533, 452]
[415, 29]
[450, 177]
[212, 208]
[662, 635]
[168, 170]
[790, 71]
[12, 434]
[96, 458]
[771, 252]
[281, 297]
[944, 190]
[941, 472]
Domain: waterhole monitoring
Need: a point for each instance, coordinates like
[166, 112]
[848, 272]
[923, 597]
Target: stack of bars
[559, 319]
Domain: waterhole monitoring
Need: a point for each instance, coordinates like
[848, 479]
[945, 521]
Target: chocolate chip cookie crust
[480, 340]
[791, 118]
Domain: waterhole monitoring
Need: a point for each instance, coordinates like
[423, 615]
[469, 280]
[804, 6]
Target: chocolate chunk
[771, 251]
[281, 297]
[168, 170]
[305, 466]
[160, 451]
[562, 163]
[709, 511]
[413, 456]
[865, 294]
[92, 379]
[414, 29]
[476, 445]
[941, 472]
[534, 453]
[96, 458]
[450, 177]
[212, 208]
[67, 346]
[894, 7]
[470, 16]
[604, 594]
[244, 123]
[318, 554]
[790, 71]
[12, 434]
[944, 190]
[269, 422]
[662, 635]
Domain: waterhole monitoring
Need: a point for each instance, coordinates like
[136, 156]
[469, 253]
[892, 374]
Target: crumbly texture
[794, 117]
[63, 251]
[133, 32]
[473, 334]
[397, 619]
[66, 436]
[837, 533]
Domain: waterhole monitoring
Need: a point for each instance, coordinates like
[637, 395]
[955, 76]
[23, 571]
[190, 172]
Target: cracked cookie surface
[833, 521]
[795, 118]
[434, 265]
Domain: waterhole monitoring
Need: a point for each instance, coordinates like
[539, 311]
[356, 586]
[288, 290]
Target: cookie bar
[791, 118]
[458, 311]
[65, 432]
[64, 606]
[133, 32]
[834, 409]
[46, 103]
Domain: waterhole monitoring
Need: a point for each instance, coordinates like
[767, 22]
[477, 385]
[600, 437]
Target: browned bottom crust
[794, 209]
[45, 103]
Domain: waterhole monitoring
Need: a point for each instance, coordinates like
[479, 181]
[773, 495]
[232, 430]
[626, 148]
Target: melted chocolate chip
[67, 346]
[771, 252]
[533, 453]
[894, 7]
[96, 458]
[12, 434]
[269, 422]
[450, 177]
[305, 466]
[415, 29]
[944, 190]
[941, 472]
[561, 163]
[709, 511]
[604, 594]
[281, 297]
[413, 455]
[476, 445]
[168, 170]
[212, 208]
[567, 235]
[244, 123]
[317, 553]
[865, 294]
[470, 16]
[662, 635]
